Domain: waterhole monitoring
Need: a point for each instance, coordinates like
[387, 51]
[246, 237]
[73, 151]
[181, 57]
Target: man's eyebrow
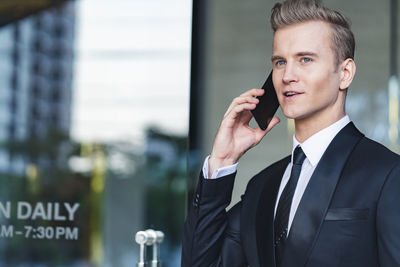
[299, 54]
[273, 58]
[306, 53]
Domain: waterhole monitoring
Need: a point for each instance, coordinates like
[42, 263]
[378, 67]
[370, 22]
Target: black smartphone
[268, 105]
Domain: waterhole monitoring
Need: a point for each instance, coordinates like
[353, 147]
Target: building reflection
[36, 80]
[64, 201]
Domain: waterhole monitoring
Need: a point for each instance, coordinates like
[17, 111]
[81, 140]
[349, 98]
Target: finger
[237, 111]
[241, 100]
[246, 117]
[274, 121]
[260, 133]
[249, 95]
[253, 92]
[235, 114]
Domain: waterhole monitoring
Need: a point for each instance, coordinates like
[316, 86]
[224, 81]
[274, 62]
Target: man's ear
[347, 71]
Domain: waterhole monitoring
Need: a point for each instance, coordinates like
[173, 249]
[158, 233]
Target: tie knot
[298, 156]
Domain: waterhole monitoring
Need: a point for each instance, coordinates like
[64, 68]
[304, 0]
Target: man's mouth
[291, 93]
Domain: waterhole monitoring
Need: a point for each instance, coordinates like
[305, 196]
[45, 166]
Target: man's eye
[306, 59]
[280, 63]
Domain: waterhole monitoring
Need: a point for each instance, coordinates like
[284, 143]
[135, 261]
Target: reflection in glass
[93, 147]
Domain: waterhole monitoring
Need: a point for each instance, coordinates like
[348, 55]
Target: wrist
[215, 163]
[221, 162]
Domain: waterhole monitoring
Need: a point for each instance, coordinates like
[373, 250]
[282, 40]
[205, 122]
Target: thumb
[260, 133]
[274, 121]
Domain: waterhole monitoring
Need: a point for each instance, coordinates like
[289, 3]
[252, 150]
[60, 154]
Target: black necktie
[285, 202]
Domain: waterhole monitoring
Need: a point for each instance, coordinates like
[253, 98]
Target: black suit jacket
[349, 215]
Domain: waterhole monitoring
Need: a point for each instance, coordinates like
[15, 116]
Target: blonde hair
[296, 11]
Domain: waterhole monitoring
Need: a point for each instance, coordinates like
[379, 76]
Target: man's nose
[290, 74]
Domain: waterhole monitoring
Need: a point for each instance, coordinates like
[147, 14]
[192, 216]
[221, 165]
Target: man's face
[304, 72]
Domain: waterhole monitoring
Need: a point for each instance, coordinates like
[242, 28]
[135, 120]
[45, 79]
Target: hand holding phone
[268, 105]
[235, 137]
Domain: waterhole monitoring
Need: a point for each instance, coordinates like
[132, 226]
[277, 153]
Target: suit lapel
[258, 206]
[317, 197]
[265, 214]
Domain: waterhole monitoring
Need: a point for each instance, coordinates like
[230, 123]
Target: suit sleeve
[211, 235]
[388, 220]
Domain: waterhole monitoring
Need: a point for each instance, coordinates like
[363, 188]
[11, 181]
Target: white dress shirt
[314, 147]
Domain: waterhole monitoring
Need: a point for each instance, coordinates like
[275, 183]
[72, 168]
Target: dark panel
[11, 10]
[197, 78]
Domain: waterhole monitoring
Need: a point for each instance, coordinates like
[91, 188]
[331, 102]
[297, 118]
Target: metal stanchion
[149, 238]
[141, 239]
[156, 262]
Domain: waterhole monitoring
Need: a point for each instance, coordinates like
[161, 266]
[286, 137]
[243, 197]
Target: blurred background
[108, 109]
[94, 111]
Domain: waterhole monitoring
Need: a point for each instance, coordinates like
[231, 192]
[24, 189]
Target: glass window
[95, 149]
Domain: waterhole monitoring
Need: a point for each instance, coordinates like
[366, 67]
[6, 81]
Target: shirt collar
[315, 146]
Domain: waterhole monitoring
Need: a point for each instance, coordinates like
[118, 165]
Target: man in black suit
[335, 201]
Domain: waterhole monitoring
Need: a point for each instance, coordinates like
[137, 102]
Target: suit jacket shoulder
[272, 170]
[374, 152]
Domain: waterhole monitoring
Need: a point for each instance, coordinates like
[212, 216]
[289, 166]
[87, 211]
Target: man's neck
[305, 128]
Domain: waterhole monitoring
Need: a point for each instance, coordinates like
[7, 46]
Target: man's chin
[290, 115]
[294, 116]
